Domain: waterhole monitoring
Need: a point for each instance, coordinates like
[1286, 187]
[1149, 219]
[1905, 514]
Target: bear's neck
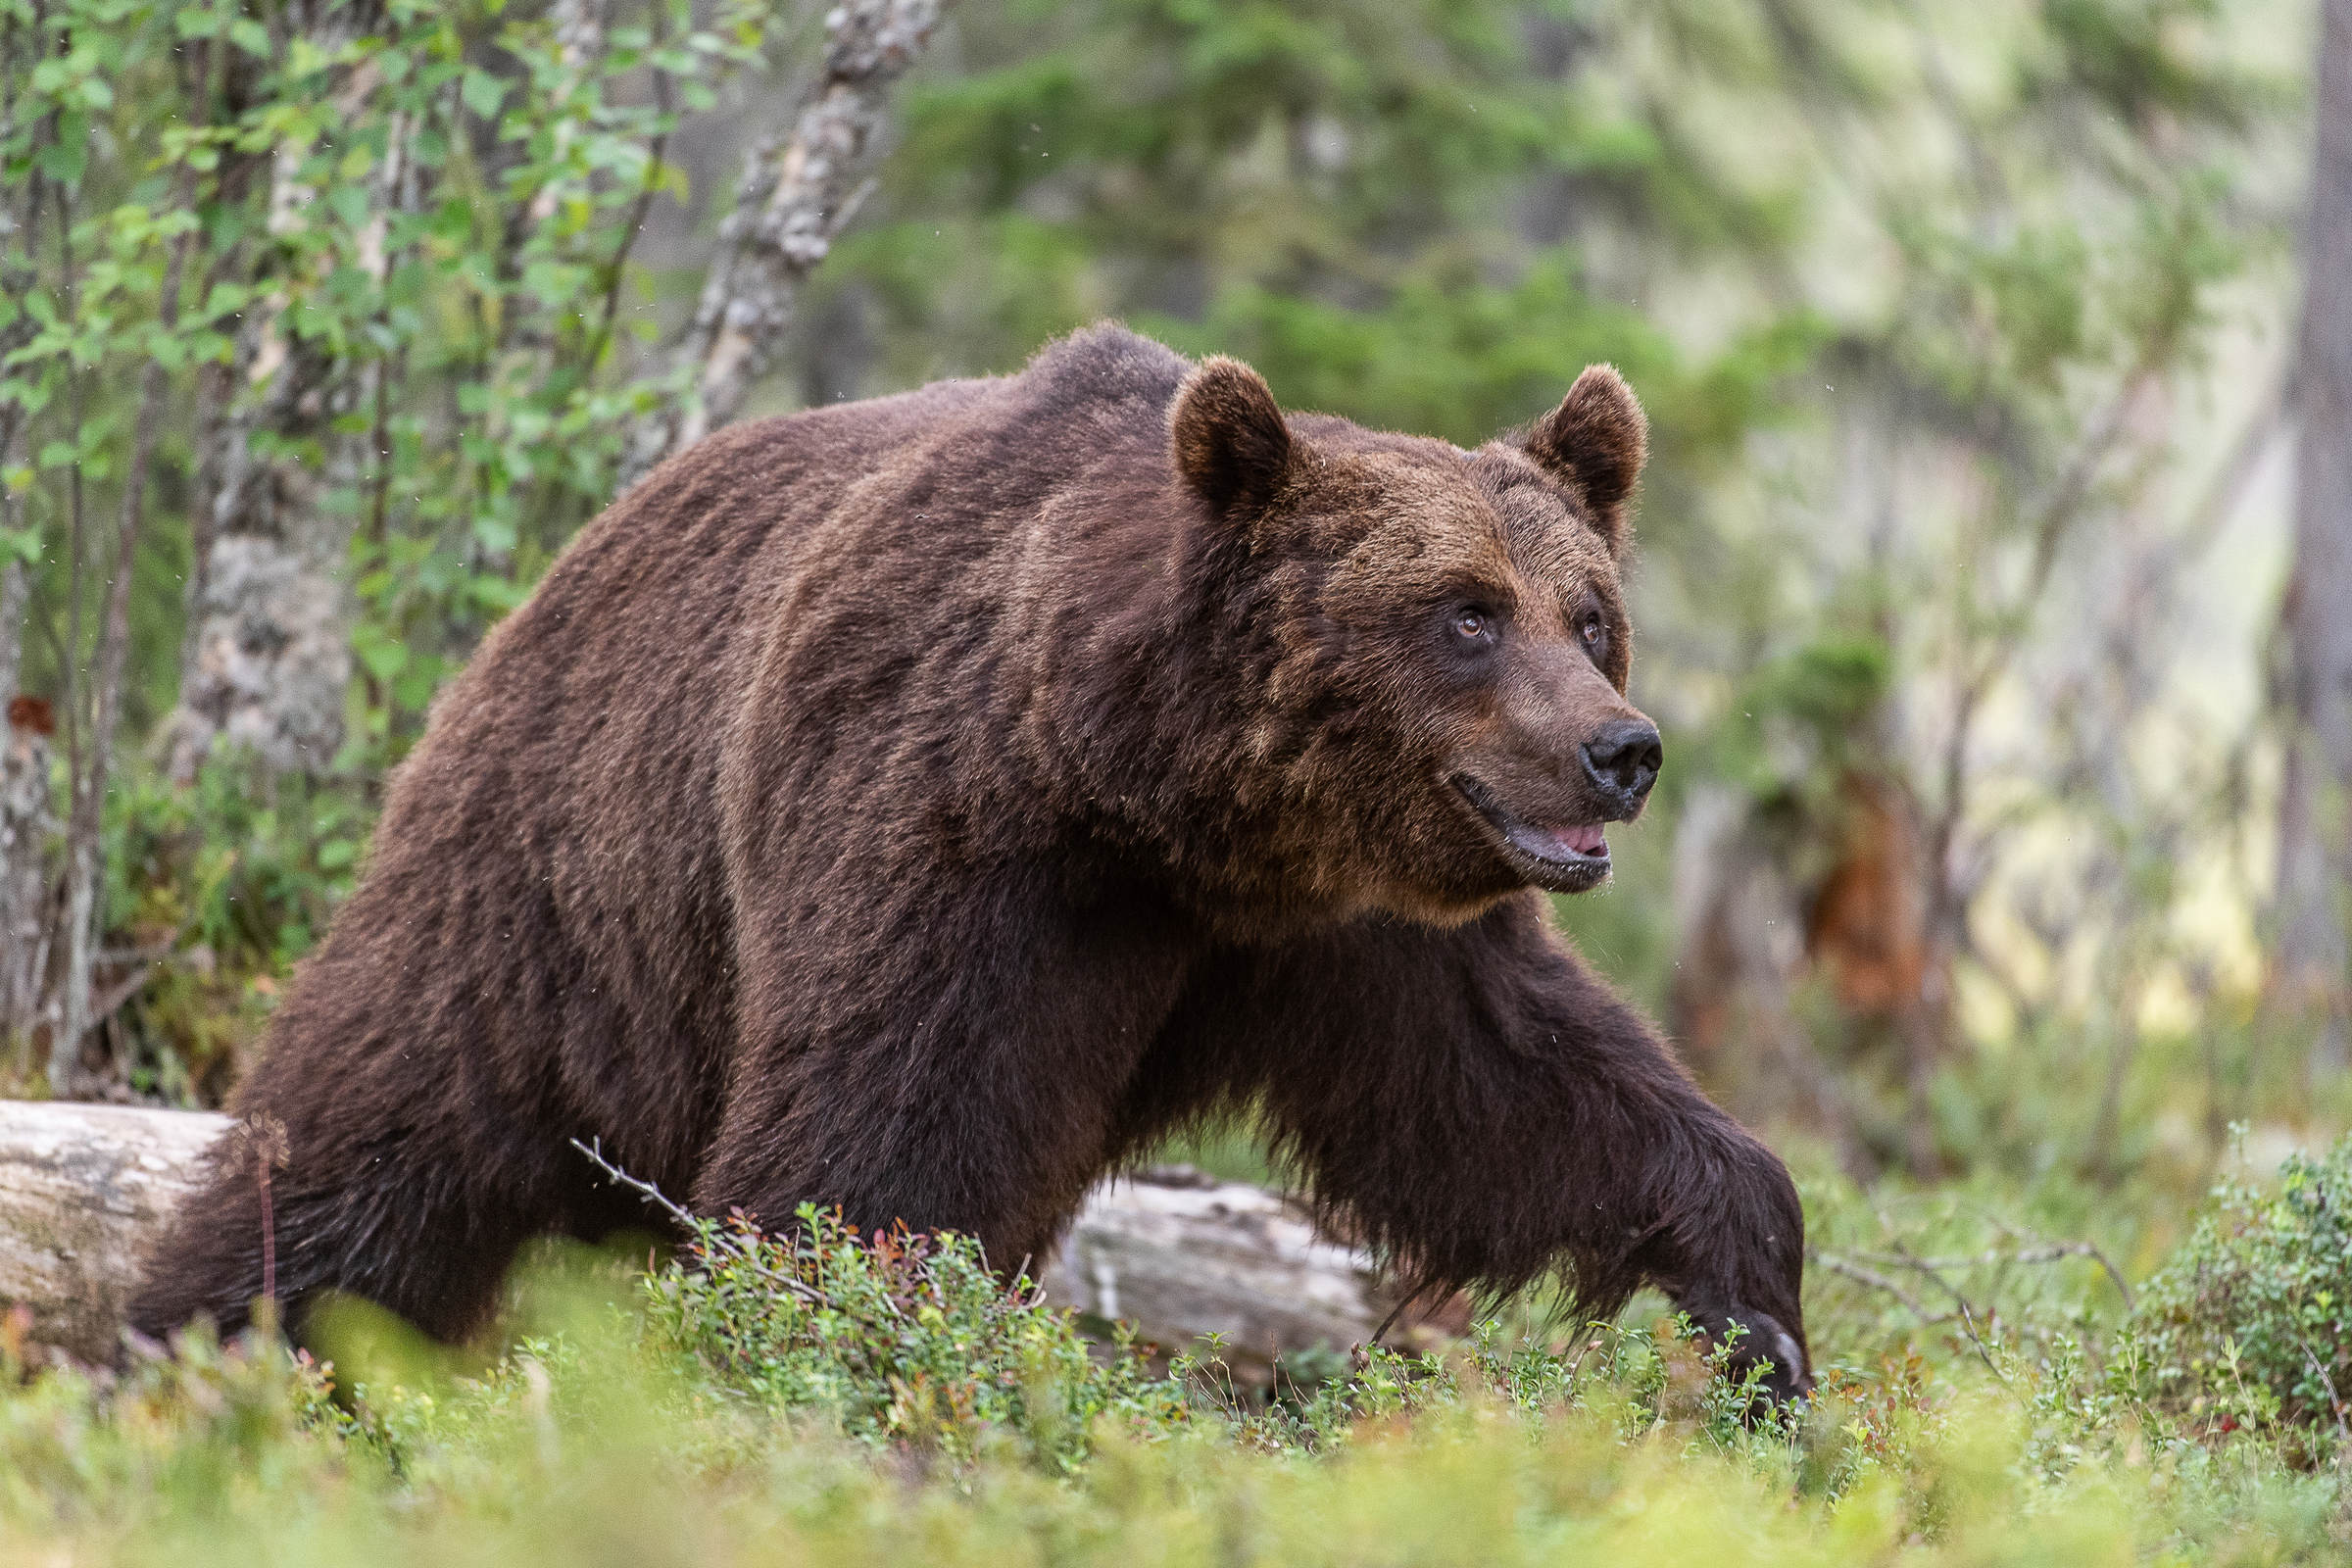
[1153, 719]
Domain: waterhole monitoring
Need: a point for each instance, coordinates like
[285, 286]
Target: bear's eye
[1593, 632]
[1471, 624]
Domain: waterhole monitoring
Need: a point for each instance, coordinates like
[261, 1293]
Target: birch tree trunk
[28, 820]
[27, 817]
[2314, 978]
[27, 813]
[793, 201]
[266, 663]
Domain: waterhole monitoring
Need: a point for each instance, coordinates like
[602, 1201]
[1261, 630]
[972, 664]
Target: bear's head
[1438, 638]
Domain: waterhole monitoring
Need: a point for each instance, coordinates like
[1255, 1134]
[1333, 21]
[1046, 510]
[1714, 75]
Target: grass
[829, 1397]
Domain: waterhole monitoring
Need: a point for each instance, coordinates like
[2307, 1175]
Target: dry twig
[714, 1237]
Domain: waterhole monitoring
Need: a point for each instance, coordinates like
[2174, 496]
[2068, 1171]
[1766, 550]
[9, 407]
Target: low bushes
[834, 1397]
[2250, 1321]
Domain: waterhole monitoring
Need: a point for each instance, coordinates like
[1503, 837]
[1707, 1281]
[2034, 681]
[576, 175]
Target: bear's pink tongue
[1590, 839]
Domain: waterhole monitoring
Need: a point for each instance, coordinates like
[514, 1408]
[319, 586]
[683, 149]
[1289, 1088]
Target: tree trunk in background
[1751, 931]
[792, 202]
[27, 814]
[27, 820]
[2314, 979]
[266, 661]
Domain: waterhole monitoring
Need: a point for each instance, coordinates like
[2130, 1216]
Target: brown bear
[925, 804]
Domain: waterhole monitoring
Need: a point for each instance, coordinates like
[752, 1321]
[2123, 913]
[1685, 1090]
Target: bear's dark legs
[1485, 1109]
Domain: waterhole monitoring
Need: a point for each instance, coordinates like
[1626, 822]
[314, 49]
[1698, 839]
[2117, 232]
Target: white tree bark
[27, 816]
[27, 820]
[2315, 837]
[16, 593]
[266, 663]
[84, 1190]
[794, 200]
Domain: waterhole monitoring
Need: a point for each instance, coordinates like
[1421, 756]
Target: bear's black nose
[1623, 760]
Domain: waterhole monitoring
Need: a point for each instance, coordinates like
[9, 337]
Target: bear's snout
[1622, 763]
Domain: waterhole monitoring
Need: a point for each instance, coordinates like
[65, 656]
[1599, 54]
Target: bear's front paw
[1758, 1345]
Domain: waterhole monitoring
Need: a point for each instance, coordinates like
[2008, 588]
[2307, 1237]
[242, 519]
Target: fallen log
[1178, 1255]
[85, 1189]
[83, 1192]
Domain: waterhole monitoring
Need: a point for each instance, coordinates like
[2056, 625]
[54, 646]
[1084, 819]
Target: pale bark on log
[84, 1191]
[1178, 1255]
[793, 201]
[2314, 829]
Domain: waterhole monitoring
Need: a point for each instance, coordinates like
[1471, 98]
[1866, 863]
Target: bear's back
[547, 905]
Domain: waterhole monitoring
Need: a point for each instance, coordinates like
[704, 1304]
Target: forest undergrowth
[1990, 1393]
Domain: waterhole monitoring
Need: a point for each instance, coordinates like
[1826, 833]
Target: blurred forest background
[1994, 584]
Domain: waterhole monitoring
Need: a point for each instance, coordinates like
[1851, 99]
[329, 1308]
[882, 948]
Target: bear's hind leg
[406, 1234]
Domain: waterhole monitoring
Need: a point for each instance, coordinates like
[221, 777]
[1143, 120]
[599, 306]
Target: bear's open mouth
[1561, 859]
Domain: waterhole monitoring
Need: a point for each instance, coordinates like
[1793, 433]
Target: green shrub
[213, 893]
[757, 1413]
[2250, 1321]
[185, 1434]
[901, 1338]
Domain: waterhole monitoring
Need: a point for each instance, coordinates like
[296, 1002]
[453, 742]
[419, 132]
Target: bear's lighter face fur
[1453, 636]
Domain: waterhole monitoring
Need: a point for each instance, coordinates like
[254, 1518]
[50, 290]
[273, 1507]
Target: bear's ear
[1230, 442]
[1596, 440]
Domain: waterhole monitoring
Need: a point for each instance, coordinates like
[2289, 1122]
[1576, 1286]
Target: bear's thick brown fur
[925, 804]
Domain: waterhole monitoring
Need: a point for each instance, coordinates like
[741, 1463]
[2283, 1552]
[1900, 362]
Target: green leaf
[384, 657]
[65, 158]
[483, 93]
[415, 688]
[495, 534]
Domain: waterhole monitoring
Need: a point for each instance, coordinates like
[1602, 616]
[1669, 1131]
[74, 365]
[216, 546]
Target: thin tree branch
[792, 203]
[1862, 1274]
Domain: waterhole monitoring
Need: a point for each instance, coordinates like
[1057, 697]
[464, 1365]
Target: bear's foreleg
[1486, 1110]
